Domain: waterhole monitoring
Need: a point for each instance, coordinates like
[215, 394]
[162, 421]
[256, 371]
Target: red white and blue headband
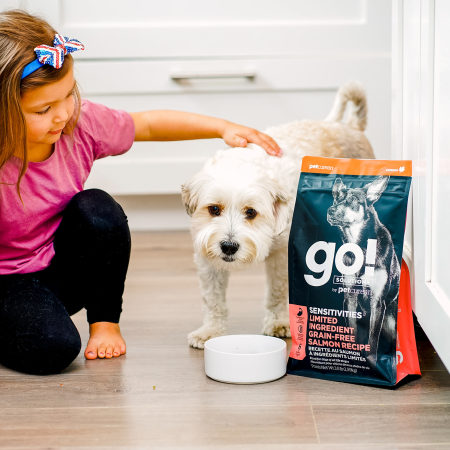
[54, 56]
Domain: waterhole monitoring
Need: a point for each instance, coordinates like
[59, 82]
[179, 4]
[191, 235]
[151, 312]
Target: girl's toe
[90, 353]
[101, 351]
[109, 351]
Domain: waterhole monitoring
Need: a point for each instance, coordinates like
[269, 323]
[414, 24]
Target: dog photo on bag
[353, 212]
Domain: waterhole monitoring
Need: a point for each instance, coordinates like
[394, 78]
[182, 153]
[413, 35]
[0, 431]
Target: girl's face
[47, 110]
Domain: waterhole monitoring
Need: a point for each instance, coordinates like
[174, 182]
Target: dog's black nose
[229, 248]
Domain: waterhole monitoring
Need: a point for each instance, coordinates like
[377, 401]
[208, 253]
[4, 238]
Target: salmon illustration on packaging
[349, 289]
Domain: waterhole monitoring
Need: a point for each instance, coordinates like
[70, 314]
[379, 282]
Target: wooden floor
[157, 396]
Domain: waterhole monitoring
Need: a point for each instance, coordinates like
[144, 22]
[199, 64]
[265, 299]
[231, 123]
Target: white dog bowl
[245, 358]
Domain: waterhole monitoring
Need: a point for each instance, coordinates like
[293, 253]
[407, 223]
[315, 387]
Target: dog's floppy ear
[281, 208]
[192, 190]
[187, 199]
[190, 195]
[375, 189]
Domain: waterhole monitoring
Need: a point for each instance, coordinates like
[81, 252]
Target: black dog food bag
[345, 271]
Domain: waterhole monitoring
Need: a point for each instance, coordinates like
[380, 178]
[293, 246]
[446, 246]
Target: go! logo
[325, 268]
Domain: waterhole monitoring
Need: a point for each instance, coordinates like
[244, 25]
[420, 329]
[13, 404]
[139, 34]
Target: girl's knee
[97, 209]
[43, 355]
[58, 354]
[94, 215]
[36, 331]
[93, 233]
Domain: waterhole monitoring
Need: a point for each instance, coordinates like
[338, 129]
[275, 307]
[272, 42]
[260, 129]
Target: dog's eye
[250, 213]
[214, 210]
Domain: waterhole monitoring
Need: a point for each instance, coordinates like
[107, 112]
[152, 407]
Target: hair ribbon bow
[53, 56]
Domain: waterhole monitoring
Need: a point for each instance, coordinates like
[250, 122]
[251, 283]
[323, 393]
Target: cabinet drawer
[279, 90]
[237, 74]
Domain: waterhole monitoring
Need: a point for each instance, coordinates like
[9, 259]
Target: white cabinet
[421, 125]
[257, 63]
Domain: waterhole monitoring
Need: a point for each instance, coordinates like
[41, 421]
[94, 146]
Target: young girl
[63, 248]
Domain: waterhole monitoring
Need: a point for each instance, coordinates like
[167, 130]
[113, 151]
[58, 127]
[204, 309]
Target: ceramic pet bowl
[245, 358]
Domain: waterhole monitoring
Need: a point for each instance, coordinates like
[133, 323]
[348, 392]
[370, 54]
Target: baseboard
[154, 212]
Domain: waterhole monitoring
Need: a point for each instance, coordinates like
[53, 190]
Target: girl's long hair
[20, 33]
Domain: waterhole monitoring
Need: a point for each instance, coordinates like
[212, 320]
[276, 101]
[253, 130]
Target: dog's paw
[198, 337]
[277, 328]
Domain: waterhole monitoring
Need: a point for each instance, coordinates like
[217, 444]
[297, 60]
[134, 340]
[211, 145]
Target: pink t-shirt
[27, 230]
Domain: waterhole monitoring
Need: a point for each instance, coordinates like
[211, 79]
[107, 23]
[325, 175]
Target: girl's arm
[178, 125]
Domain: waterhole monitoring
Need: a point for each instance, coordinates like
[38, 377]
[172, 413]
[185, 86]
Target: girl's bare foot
[105, 341]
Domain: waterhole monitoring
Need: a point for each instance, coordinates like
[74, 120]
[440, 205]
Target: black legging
[92, 251]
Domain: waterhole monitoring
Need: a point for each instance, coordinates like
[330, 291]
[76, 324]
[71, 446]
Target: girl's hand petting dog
[236, 135]
[167, 125]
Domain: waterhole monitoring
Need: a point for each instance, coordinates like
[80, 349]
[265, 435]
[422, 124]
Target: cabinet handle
[181, 76]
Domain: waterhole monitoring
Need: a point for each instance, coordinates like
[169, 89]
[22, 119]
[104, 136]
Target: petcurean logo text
[317, 166]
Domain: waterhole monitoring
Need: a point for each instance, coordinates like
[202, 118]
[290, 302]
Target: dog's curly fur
[242, 201]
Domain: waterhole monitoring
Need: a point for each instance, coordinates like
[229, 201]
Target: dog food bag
[349, 292]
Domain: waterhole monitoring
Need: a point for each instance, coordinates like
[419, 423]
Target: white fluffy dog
[242, 201]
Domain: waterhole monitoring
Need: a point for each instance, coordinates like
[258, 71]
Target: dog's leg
[351, 305]
[377, 310]
[276, 319]
[213, 285]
